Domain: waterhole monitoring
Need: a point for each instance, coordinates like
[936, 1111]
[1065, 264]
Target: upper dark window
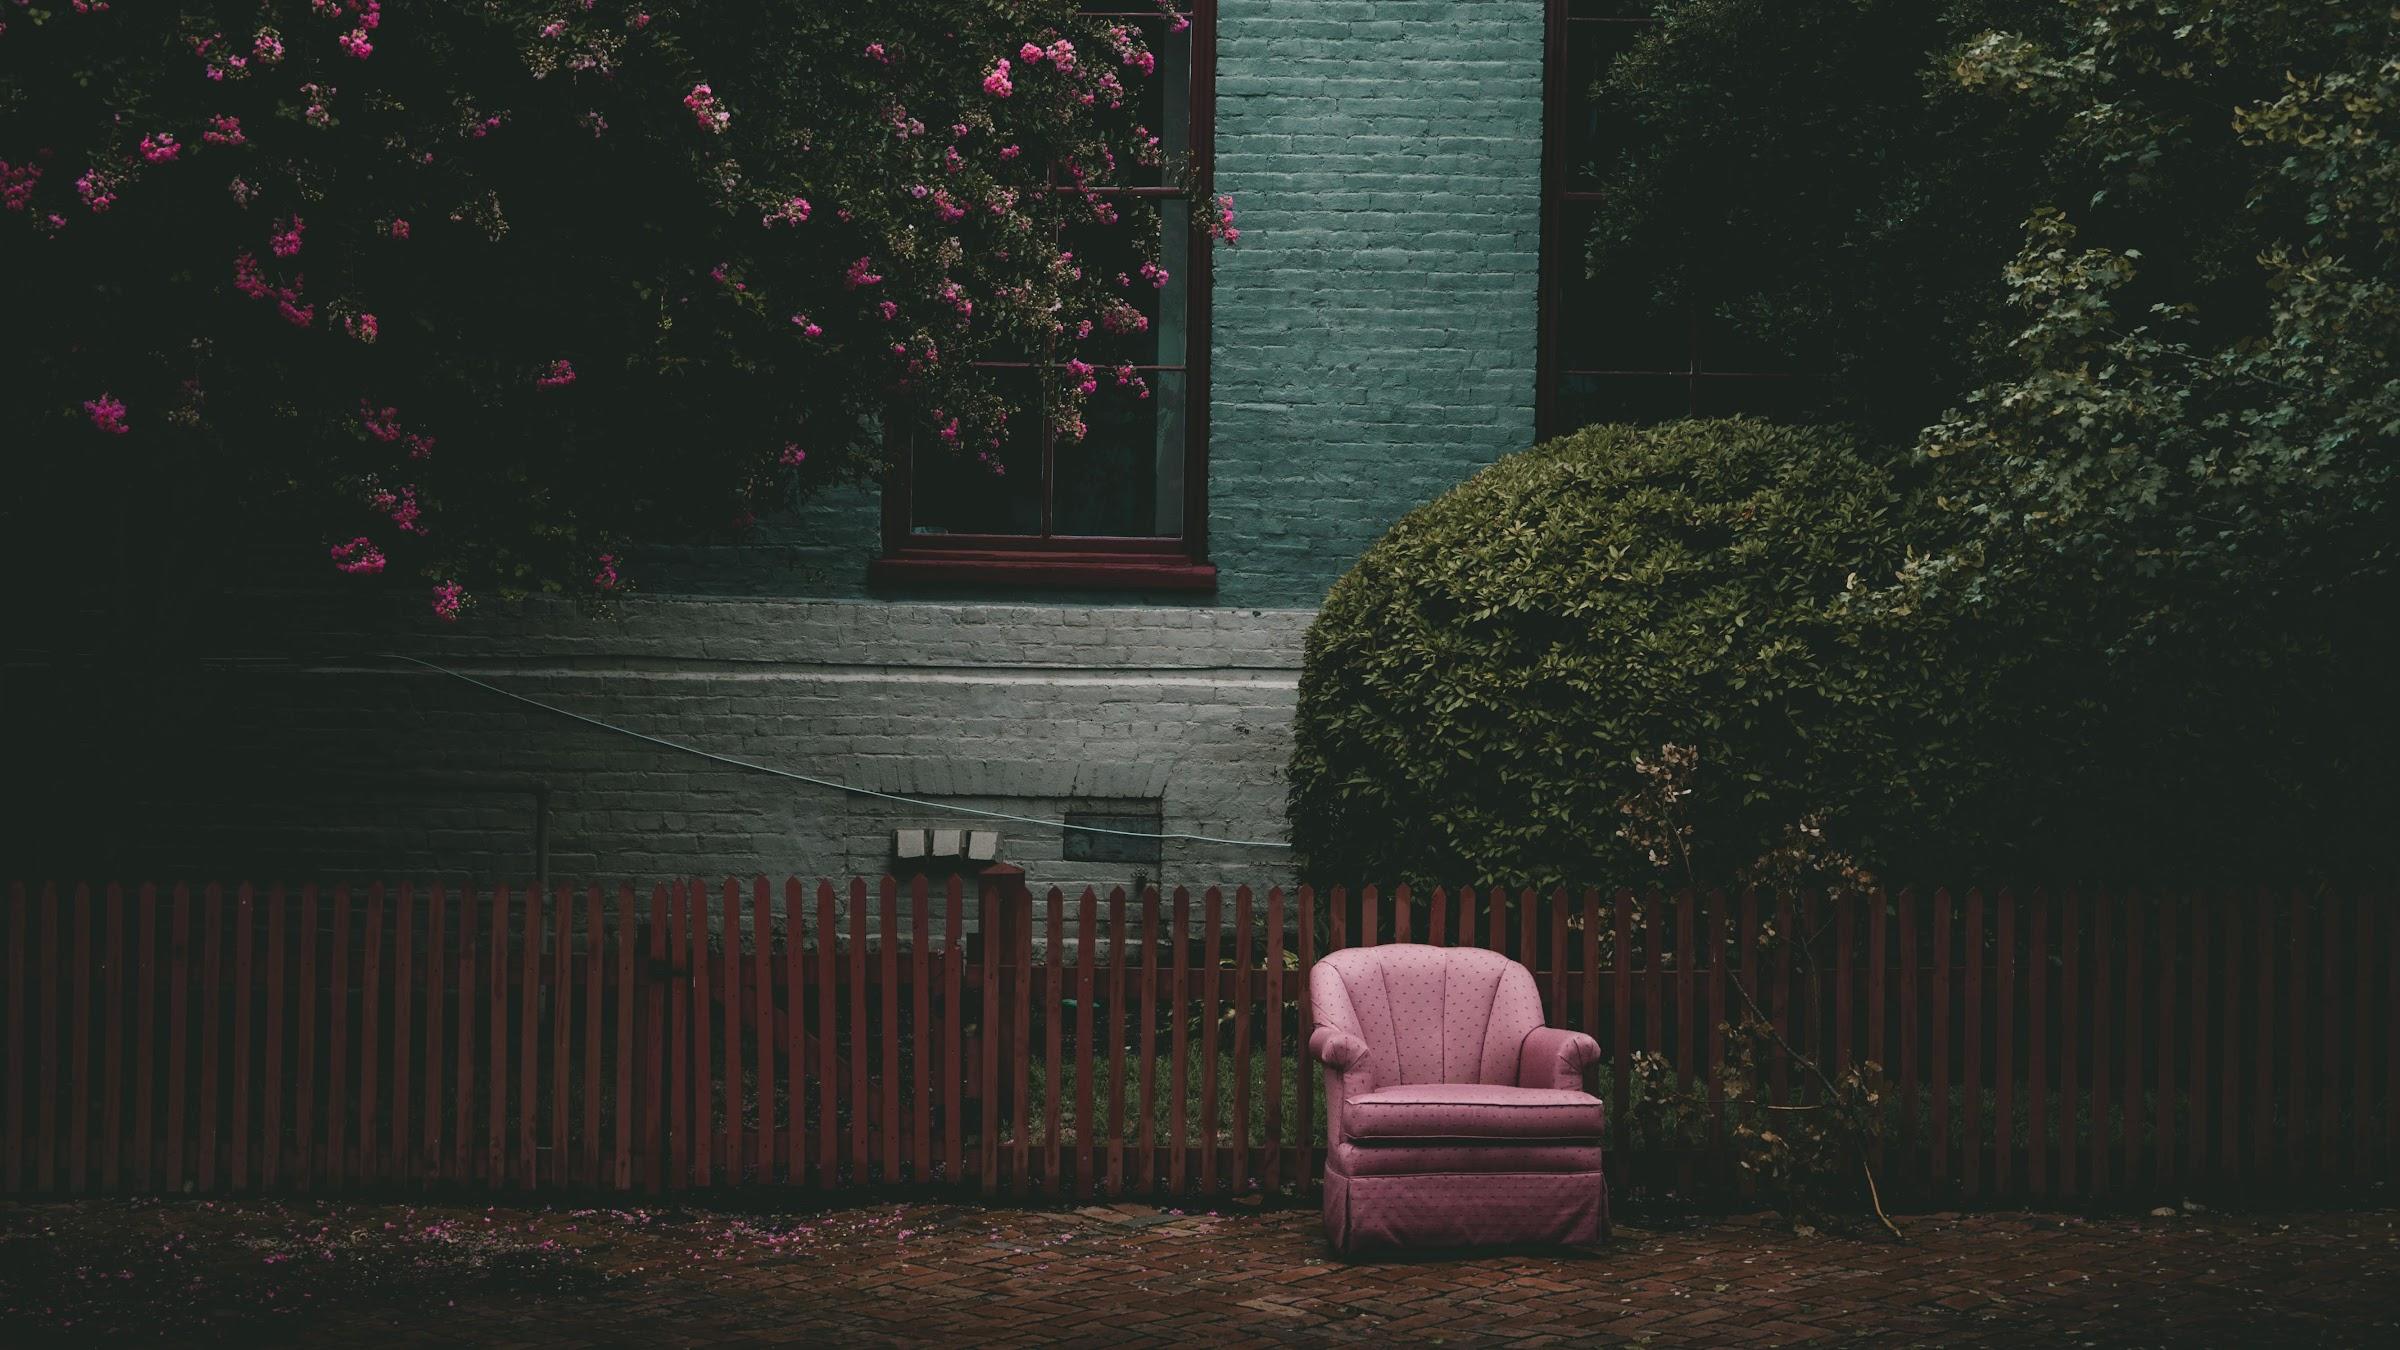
[1125, 504]
[1615, 347]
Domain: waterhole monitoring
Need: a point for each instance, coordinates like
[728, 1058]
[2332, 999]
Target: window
[1126, 505]
[1612, 348]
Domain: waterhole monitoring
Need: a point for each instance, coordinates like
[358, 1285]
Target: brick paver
[380, 1274]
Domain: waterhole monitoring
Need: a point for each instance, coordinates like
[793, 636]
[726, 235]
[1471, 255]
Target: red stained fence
[2039, 1046]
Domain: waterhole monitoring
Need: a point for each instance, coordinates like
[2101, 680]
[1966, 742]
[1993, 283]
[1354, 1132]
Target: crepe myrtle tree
[479, 294]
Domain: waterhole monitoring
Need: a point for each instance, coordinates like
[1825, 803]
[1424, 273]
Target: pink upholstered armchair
[1453, 1116]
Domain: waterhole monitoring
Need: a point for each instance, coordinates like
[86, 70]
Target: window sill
[1079, 571]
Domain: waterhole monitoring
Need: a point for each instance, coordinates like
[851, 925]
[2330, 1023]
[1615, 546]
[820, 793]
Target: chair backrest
[1429, 1014]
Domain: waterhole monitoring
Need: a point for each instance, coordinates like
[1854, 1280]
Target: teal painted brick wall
[1374, 334]
[1375, 328]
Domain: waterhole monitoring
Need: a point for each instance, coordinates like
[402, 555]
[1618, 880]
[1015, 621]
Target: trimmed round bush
[1478, 687]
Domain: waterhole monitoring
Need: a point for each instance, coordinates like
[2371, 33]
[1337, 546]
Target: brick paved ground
[368, 1275]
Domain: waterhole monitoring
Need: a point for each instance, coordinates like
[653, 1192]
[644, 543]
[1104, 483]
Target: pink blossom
[806, 327]
[360, 326]
[794, 211]
[705, 112]
[448, 599]
[860, 274]
[287, 242]
[889, 310]
[159, 147]
[381, 423]
[359, 557]
[875, 52]
[107, 414]
[997, 83]
[420, 445]
[606, 578]
[17, 182]
[793, 456]
[224, 130]
[1010, 151]
[399, 229]
[560, 375]
[1062, 55]
[267, 46]
[98, 188]
[1030, 53]
[355, 42]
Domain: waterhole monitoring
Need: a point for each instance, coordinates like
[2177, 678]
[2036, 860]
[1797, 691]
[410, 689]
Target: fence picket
[1970, 1126]
[529, 1036]
[370, 1027]
[1117, 1029]
[12, 1165]
[592, 1068]
[437, 916]
[796, 1150]
[729, 997]
[829, 1129]
[79, 1058]
[2103, 1042]
[2037, 1044]
[1211, 986]
[462, 1130]
[922, 1061]
[988, 1129]
[2004, 1050]
[1020, 1045]
[2162, 1161]
[1271, 1141]
[1085, 1125]
[887, 1132]
[402, 1158]
[861, 1106]
[112, 1070]
[2130, 1125]
[1941, 1172]
[763, 1151]
[622, 1173]
[1179, 1023]
[1237, 1172]
[179, 1021]
[1053, 1007]
[954, 1086]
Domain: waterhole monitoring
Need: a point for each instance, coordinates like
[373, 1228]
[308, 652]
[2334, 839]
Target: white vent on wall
[980, 846]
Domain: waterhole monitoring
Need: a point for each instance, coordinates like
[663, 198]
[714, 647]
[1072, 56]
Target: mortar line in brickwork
[813, 780]
[1264, 677]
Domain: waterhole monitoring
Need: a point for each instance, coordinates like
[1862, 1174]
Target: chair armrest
[1347, 1075]
[1335, 1048]
[1553, 1057]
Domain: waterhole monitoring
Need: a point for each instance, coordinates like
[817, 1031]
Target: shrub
[1478, 688]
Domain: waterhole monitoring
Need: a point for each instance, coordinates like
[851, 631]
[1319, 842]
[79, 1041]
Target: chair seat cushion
[1483, 1157]
[1472, 1111]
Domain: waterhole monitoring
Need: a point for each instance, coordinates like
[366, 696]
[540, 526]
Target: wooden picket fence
[2039, 1045]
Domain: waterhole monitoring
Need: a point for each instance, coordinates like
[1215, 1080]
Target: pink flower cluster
[807, 327]
[1223, 228]
[862, 273]
[250, 281]
[17, 182]
[793, 456]
[359, 557]
[159, 147]
[107, 414]
[286, 241]
[560, 375]
[98, 188]
[606, 578]
[448, 599]
[875, 52]
[791, 212]
[997, 83]
[401, 506]
[703, 103]
[368, 15]
[361, 326]
[224, 130]
[399, 229]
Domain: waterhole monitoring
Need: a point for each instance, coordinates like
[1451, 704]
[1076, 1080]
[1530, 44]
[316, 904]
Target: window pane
[1615, 321]
[1125, 477]
[1591, 129]
[1112, 251]
[1161, 103]
[1586, 399]
[957, 490]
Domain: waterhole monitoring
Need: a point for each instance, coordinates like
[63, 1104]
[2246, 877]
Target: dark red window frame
[1704, 389]
[1050, 559]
